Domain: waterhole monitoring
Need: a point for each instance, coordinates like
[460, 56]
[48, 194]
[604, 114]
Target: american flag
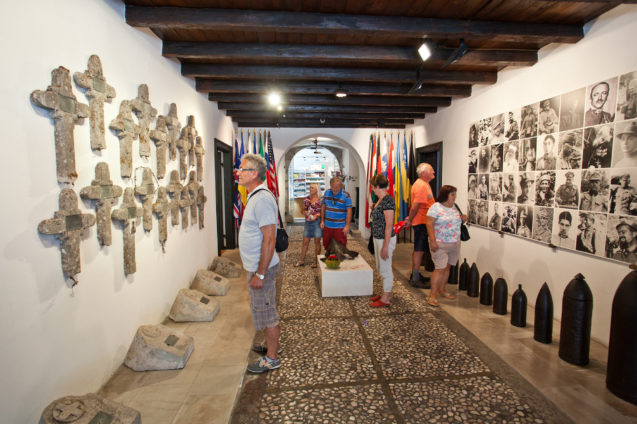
[273, 182]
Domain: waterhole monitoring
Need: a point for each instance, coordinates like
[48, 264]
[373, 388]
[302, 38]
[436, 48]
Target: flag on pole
[254, 141]
[397, 183]
[273, 182]
[370, 158]
[237, 203]
[411, 169]
[390, 166]
[405, 186]
[242, 189]
[261, 151]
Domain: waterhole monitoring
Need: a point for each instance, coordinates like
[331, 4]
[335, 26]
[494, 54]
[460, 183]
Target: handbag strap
[277, 205]
[456, 205]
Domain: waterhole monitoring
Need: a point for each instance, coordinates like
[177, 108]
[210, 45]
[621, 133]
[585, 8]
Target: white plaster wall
[607, 50]
[59, 341]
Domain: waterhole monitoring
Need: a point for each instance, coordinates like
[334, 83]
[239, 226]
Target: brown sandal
[299, 263]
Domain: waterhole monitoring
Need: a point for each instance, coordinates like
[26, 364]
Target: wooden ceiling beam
[176, 18]
[299, 53]
[317, 115]
[328, 88]
[327, 123]
[333, 100]
[254, 72]
[327, 108]
[251, 124]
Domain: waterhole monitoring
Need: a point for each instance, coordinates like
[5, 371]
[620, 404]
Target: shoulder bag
[464, 231]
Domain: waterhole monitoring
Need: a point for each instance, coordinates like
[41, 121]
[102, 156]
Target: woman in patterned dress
[312, 211]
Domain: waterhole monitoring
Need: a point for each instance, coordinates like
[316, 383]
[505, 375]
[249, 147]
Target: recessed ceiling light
[279, 108]
[424, 51]
[341, 93]
[274, 98]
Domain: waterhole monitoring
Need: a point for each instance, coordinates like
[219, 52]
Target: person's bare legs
[272, 335]
[438, 279]
[306, 243]
[317, 251]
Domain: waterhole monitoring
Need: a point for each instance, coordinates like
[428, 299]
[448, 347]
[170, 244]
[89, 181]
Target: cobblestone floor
[343, 362]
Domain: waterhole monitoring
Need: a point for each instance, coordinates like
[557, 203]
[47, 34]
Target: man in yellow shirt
[422, 199]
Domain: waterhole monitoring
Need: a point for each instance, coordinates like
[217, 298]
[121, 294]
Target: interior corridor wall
[60, 341]
[607, 50]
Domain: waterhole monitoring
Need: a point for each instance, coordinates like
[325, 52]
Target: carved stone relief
[174, 189]
[185, 145]
[146, 191]
[199, 153]
[66, 112]
[185, 203]
[159, 135]
[145, 113]
[161, 208]
[127, 131]
[174, 128]
[128, 213]
[105, 195]
[201, 203]
[97, 92]
[210, 283]
[91, 409]
[193, 191]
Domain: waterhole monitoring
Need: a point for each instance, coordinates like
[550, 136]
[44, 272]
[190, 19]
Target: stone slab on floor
[225, 267]
[210, 283]
[354, 277]
[88, 409]
[157, 347]
[192, 305]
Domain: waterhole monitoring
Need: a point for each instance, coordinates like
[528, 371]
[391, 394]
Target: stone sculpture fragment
[161, 209]
[225, 267]
[104, 194]
[193, 306]
[210, 283]
[157, 347]
[159, 136]
[193, 191]
[199, 153]
[185, 145]
[66, 112]
[185, 202]
[174, 191]
[174, 129]
[88, 409]
[146, 191]
[145, 113]
[97, 92]
[68, 224]
[128, 213]
[201, 203]
[126, 129]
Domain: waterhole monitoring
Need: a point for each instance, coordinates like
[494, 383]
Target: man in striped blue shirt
[336, 213]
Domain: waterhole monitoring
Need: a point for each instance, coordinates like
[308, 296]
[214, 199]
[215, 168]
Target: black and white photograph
[627, 97]
[484, 158]
[567, 185]
[572, 109]
[474, 135]
[526, 188]
[496, 158]
[528, 123]
[473, 161]
[623, 194]
[483, 186]
[509, 218]
[483, 213]
[564, 228]
[546, 153]
[497, 129]
[542, 224]
[484, 131]
[495, 187]
[512, 125]
[510, 162]
[569, 150]
[472, 211]
[509, 188]
[545, 188]
[594, 191]
[601, 98]
[625, 145]
[548, 119]
[527, 157]
[525, 221]
[472, 192]
[591, 233]
[598, 144]
[622, 238]
[495, 215]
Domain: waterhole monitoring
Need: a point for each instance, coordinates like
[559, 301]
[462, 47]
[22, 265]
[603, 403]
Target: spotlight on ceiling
[424, 51]
[341, 93]
[274, 98]
[279, 108]
[322, 120]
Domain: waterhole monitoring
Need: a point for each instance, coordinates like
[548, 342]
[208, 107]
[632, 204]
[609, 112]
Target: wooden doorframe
[224, 181]
[437, 148]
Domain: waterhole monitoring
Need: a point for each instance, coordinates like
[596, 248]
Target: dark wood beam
[326, 108]
[253, 72]
[251, 124]
[294, 54]
[333, 100]
[176, 18]
[327, 123]
[317, 115]
[328, 88]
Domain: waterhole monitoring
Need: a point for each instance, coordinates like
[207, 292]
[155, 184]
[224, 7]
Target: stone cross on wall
[160, 135]
[97, 92]
[145, 113]
[67, 225]
[185, 144]
[174, 128]
[192, 136]
[201, 202]
[193, 189]
[66, 112]
[127, 131]
[105, 195]
[161, 208]
[128, 213]
[174, 190]
[146, 191]
[185, 202]
[199, 153]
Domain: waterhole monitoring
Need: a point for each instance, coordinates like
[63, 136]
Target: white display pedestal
[354, 277]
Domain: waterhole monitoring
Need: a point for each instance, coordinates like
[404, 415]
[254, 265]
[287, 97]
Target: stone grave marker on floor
[146, 192]
[174, 129]
[159, 136]
[201, 203]
[193, 306]
[128, 213]
[88, 409]
[126, 128]
[210, 283]
[199, 153]
[225, 267]
[174, 190]
[161, 209]
[68, 224]
[157, 347]
[145, 113]
[97, 92]
[352, 278]
[66, 112]
[105, 194]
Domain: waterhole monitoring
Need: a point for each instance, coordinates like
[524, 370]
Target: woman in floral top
[312, 211]
[443, 227]
[384, 238]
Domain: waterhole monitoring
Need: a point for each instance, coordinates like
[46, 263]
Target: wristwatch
[259, 276]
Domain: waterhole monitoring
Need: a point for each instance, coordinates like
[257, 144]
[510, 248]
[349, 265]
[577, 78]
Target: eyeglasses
[246, 169]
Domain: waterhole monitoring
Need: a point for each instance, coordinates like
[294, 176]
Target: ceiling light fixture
[424, 51]
[279, 108]
[340, 93]
[274, 98]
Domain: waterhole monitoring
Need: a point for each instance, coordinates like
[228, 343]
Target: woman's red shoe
[379, 304]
